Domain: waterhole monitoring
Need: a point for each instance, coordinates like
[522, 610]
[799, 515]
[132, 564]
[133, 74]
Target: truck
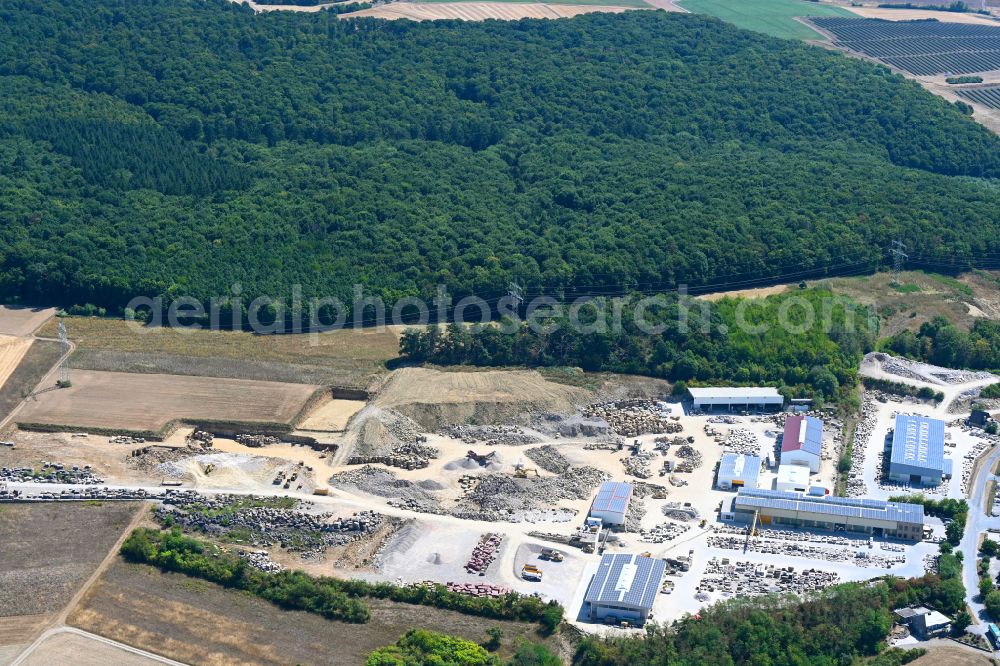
[551, 554]
[531, 572]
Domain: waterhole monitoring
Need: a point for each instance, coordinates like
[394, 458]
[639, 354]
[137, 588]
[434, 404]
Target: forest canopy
[180, 147]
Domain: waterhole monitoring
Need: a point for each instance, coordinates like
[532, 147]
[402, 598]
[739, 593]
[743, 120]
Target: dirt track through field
[12, 350]
[480, 11]
[148, 402]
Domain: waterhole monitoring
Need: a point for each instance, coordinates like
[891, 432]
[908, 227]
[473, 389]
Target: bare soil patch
[195, 621]
[953, 656]
[433, 398]
[72, 648]
[920, 14]
[332, 416]
[49, 550]
[480, 11]
[149, 402]
[760, 292]
[23, 320]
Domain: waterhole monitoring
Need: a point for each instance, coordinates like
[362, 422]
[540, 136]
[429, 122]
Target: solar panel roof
[918, 441]
[612, 496]
[849, 507]
[624, 578]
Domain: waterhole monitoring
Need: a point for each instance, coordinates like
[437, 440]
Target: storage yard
[504, 480]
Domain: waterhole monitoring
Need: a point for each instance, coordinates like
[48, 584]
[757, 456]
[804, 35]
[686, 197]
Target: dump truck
[551, 554]
[531, 572]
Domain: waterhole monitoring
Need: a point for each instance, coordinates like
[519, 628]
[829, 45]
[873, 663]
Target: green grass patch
[772, 17]
[952, 283]
[908, 288]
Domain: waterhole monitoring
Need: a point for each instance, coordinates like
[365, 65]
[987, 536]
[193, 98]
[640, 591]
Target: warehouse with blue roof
[623, 589]
[917, 451]
[874, 517]
[611, 503]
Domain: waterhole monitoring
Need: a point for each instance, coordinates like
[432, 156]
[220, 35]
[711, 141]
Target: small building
[738, 471]
[623, 589]
[762, 398]
[877, 518]
[802, 442]
[792, 478]
[924, 623]
[978, 418]
[917, 451]
[611, 503]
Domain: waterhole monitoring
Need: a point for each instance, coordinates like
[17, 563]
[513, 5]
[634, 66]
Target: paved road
[979, 522]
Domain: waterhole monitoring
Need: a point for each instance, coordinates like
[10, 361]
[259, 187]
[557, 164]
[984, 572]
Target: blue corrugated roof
[627, 579]
[918, 442]
[829, 505]
[612, 496]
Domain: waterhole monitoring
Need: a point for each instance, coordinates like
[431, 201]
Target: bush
[992, 603]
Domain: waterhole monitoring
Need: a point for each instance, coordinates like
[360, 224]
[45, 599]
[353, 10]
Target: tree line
[180, 147]
[942, 343]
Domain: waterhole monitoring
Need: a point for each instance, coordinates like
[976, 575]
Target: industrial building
[738, 471]
[865, 516]
[792, 478]
[762, 398]
[917, 451]
[802, 442]
[623, 589]
[611, 503]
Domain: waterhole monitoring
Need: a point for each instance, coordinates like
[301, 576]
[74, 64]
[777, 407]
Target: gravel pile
[151, 457]
[631, 418]
[382, 483]
[501, 497]
[682, 512]
[384, 431]
[639, 465]
[548, 458]
[491, 435]
[664, 532]
[257, 441]
[259, 559]
[415, 455]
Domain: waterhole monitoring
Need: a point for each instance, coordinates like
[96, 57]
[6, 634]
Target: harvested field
[149, 402]
[920, 14]
[480, 11]
[435, 399]
[953, 656]
[759, 292]
[344, 358]
[12, 350]
[195, 621]
[21, 320]
[36, 362]
[49, 550]
[68, 647]
[332, 416]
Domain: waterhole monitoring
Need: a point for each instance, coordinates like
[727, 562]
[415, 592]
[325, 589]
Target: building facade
[738, 471]
[837, 514]
[623, 589]
[757, 398]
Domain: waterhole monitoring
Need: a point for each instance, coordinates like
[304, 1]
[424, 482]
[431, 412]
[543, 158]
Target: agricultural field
[48, 551]
[988, 96]
[199, 622]
[922, 48]
[12, 350]
[39, 359]
[22, 320]
[772, 17]
[921, 14]
[67, 646]
[481, 11]
[148, 403]
[345, 358]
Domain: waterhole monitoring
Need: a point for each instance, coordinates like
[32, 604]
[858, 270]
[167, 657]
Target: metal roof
[847, 507]
[739, 466]
[624, 578]
[612, 496]
[803, 433]
[738, 392]
[918, 442]
[797, 475]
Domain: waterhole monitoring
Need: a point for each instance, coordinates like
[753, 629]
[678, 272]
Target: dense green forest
[177, 147]
[942, 343]
[784, 340]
